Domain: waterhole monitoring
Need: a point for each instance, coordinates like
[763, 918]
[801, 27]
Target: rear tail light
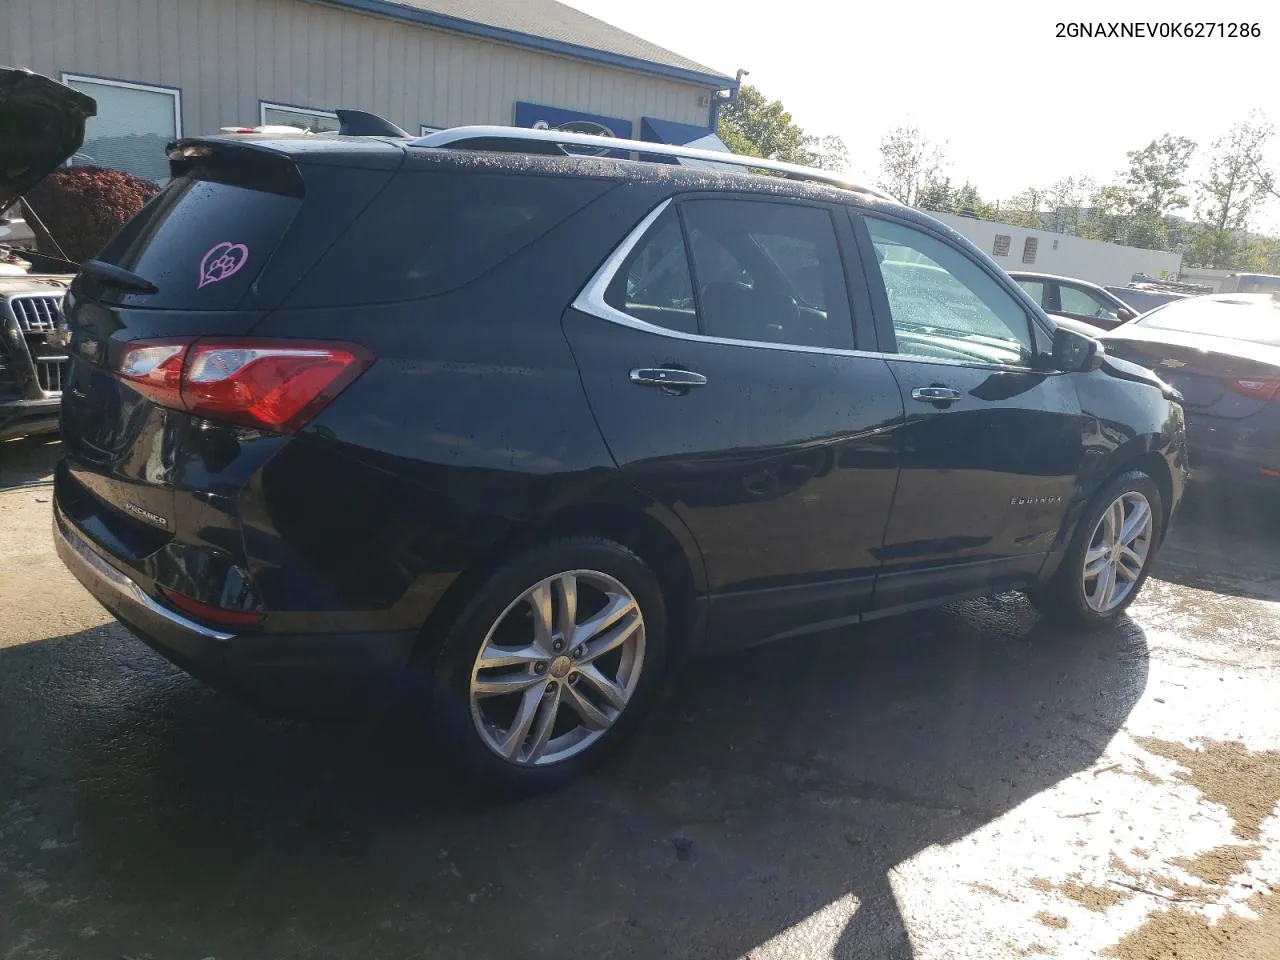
[1259, 389]
[208, 613]
[271, 384]
[154, 369]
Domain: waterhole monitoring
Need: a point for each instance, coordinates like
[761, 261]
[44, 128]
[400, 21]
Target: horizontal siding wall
[227, 55]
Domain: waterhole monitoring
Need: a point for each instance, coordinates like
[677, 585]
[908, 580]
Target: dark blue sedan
[1223, 353]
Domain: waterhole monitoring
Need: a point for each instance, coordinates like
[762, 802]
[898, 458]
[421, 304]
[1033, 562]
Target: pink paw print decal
[222, 260]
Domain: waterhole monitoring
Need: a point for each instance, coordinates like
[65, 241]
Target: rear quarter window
[432, 231]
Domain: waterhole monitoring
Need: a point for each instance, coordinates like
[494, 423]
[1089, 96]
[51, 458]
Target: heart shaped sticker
[222, 261]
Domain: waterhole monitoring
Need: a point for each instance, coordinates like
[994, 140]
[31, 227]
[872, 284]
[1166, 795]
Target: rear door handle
[668, 378]
[935, 394]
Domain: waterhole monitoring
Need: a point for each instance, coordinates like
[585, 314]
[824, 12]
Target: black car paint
[496, 415]
[43, 123]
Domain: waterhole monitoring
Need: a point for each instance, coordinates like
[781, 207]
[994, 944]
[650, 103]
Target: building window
[134, 124]
[286, 115]
[1001, 249]
[424, 129]
[1029, 247]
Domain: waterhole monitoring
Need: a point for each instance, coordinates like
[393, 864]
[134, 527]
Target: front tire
[552, 663]
[1109, 556]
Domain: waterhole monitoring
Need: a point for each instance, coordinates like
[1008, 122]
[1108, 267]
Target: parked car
[1223, 353]
[455, 411]
[1147, 296]
[15, 233]
[43, 123]
[1250, 283]
[1075, 299]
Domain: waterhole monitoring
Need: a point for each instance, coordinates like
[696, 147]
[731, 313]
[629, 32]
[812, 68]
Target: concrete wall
[1067, 256]
[227, 55]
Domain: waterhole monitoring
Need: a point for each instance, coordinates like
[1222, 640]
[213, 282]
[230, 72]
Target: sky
[1013, 104]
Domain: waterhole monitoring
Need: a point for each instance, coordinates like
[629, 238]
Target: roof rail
[512, 138]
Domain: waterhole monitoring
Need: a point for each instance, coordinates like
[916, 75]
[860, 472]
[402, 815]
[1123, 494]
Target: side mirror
[1075, 353]
[1124, 314]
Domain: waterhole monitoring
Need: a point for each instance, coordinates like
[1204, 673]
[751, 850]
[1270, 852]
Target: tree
[1229, 194]
[937, 195]
[1110, 209]
[967, 202]
[1023, 209]
[753, 125]
[909, 163]
[84, 206]
[1262, 255]
[826, 153]
[1157, 173]
[1067, 199]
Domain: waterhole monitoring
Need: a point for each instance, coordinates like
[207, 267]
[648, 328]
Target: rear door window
[769, 272]
[432, 231]
[205, 238]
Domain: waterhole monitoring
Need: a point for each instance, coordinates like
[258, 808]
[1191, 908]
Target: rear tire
[1110, 554]
[551, 664]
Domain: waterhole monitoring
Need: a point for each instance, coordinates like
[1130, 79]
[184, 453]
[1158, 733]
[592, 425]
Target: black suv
[525, 429]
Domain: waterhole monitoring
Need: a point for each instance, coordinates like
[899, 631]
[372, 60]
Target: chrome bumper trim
[73, 547]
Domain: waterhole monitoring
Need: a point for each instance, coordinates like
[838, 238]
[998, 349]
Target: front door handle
[671, 379]
[935, 394]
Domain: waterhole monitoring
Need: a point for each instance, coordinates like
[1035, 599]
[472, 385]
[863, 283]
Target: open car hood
[41, 124]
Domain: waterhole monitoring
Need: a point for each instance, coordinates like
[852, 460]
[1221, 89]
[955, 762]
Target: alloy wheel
[557, 668]
[1118, 552]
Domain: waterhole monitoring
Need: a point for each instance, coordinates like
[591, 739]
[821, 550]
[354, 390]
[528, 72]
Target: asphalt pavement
[967, 782]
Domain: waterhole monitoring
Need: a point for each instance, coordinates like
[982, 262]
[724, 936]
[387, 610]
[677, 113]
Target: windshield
[1255, 319]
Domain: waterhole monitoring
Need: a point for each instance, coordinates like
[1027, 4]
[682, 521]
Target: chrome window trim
[590, 300]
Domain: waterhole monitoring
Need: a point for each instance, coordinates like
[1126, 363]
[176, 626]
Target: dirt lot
[963, 783]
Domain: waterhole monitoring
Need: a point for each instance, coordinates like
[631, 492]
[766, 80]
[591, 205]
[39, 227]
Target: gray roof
[552, 23]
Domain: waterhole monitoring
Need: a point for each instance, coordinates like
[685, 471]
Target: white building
[1021, 248]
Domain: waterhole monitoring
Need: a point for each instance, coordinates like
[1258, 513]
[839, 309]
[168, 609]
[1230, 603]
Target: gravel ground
[962, 783]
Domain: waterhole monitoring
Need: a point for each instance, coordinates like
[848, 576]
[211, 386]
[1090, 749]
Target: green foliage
[758, 127]
[911, 166]
[1158, 172]
[1229, 193]
[826, 153]
[1110, 207]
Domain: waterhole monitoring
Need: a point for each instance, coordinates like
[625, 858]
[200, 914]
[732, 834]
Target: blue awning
[684, 135]
[668, 131]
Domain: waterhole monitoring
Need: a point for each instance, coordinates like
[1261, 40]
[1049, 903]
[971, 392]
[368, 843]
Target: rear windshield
[206, 237]
[1255, 319]
[432, 231]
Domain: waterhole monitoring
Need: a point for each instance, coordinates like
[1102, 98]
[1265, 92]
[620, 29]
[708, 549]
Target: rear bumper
[25, 418]
[1232, 454]
[289, 672]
